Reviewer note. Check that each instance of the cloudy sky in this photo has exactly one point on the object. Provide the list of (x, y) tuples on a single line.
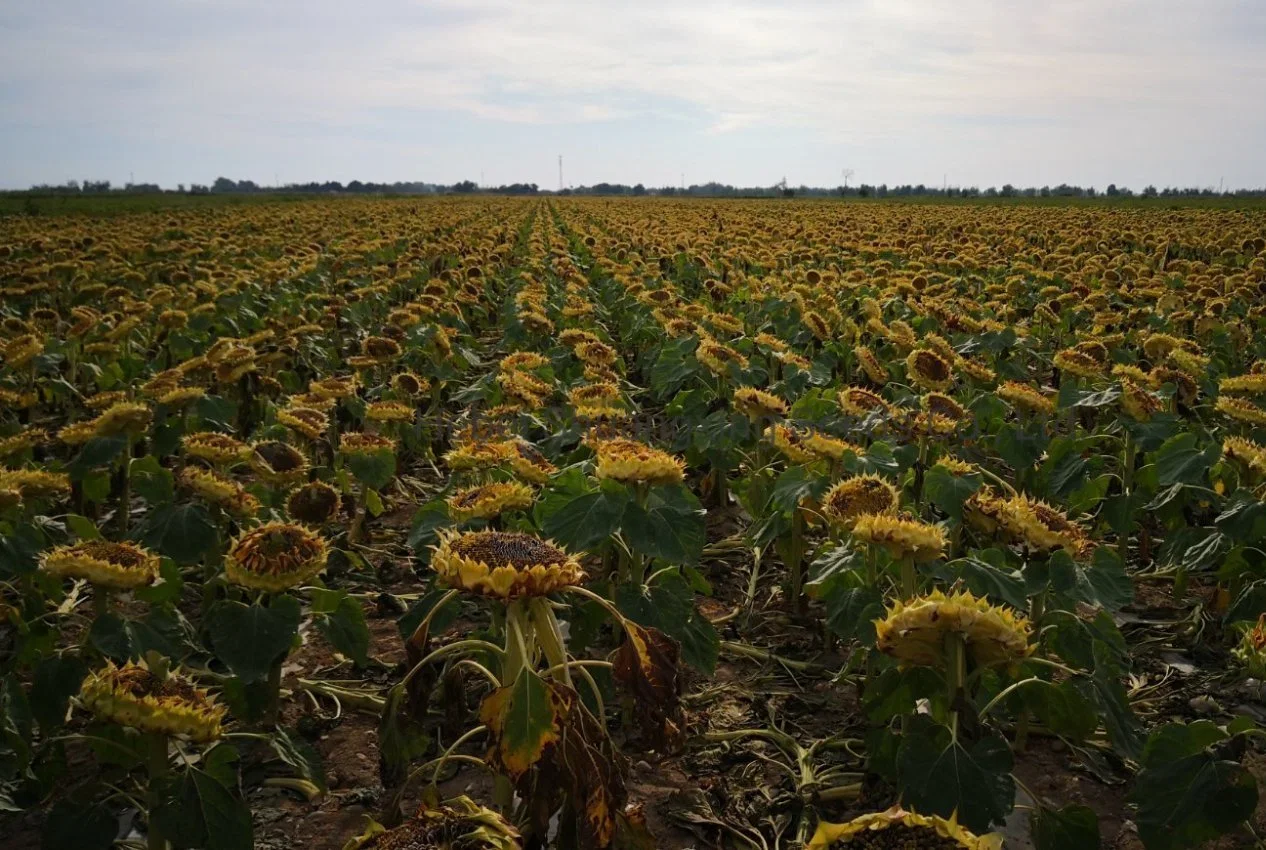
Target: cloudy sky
[(978, 92)]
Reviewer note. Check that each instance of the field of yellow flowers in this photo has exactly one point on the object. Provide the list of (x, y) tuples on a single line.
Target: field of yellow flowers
[(644, 523)]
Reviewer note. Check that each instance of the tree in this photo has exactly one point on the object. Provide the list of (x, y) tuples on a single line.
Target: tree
[(1111, 191)]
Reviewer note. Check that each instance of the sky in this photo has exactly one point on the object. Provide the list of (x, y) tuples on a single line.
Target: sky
[(968, 92)]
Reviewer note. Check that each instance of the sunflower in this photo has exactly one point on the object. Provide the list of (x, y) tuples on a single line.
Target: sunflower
[(334, 388), (1078, 364), (315, 503), (489, 500), (123, 418), (602, 393), (758, 403), (1137, 402), (275, 556), (389, 411), (1026, 399), (22, 441), (859, 496), (929, 369), (955, 466), (718, 357), (21, 350), (135, 697), (216, 449), (219, 490), (939, 404), (1038, 526), (119, 566), (181, 396), (870, 365), (897, 829), (523, 360), (1252, 649), (1247, 452), (861, 403), (903, 538), (632, 462), (457, 824), (504, 564), (35, 483), (914, 631), (1241, 409), (790, 442), (277, 463), (410, 384), (307, 421), (526, 461), (78, 433), (10, 498), (363, 443), (1250, 384), (473, 452)]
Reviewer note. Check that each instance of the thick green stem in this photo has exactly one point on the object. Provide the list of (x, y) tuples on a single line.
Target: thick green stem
[(273, 709), (637, 563), (125, 498), (100, 600), (1127, 484), (955, 675), (796, 566), (157, 766), (909, 579)]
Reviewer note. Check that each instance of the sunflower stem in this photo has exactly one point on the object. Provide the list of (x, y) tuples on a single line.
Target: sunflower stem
[(1127, 484), (909, 580), (955, 675), (796, 566), (125, 498), (273, 709), (157, 767)]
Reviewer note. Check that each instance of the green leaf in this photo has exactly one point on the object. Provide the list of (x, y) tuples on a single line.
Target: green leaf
[(1186, 793), (200, 811), (76, 826), (1248, 605), (96, 486), (793, 485), (1178, 460), (429, 519), (668, 605), (948, 491), (56, 679), (374, 469), (1063, 708), (97, 452), (525, 717), (401, 737), (1070, 828), (373, 502), (122, 639), (152, 482), (167, 590), (895, 692), (184, 533), (82, 527), (587, 520), (999, 583), (249, 639), (341, 619), (939, 775), (851, 611), (300, 755)]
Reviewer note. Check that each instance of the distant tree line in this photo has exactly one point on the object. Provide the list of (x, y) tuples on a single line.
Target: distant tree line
[(225, 185)]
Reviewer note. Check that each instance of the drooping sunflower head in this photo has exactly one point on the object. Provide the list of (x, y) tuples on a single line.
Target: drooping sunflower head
[(457, 824), (489, 500), (526, 461), (929, 369), (389, 411), (1246, 452), (364, 443), (334, 388), (871, 365), (902, 538), (216, 449), (275, 556), (504, 564), (914, 631), (897, 829), (277, 463), (35, 483), (471, 452), (407, 383), (1040, 527), (380, 348), (314, 503), (219, 490), (308, 421), (632, 462), (758, 404), (1240, 409), (21, 350), (134, 696), (718, 357), (939, 404), (1026, 399), (523, 360), (120, 566), (1138, 402), (22, 441), (1251, 651), (861, 402), (855, 497), (123, 418), (1079, 364), (790, 442)]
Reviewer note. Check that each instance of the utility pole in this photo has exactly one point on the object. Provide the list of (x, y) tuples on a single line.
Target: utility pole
[(560, 172)]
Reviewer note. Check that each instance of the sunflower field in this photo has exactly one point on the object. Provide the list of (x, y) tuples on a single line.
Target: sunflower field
[(512, 523)]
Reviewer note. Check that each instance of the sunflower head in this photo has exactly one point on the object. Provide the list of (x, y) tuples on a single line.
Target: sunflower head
[(929, 369), (1138, 402), (307, 421), (21, 441), (1079, 364), (790, 442), (275, 556), (123, 418), (1252, 649), (861, 402), (871, 366), (407, 383), (902, 538), (389, 411), (632, 462), (334, 388), (219, 490), (855, 497), (35, 483), (277, 463), (1026, 399), (120, 566), (504, 564), (1038, 526), (489, 500), (897, 829), (1240, 409), (526, 461), (134, 696), (718, 357), (216, 449), (914, 631), (757, 404), (1252, 455), (314, 503), (457, 824)]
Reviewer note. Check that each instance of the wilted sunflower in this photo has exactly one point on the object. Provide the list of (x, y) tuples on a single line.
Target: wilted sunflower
[(123, 418), (475, 451), (1078, 364), (216, 449), (902, 538), (632, 462), (118, 566), (939, 404), (278, 464), (861, 403), (897, 829), (334, 388), (1250, 384), (489, 500), (914, 631), (526, 461), (603, 393), (1026, 399), (1039, 526), (21, 350), (410, 384), (523, 360), (504, 564), (1247, 452), (275, 556), (870, 365), (1251, 651), (389, 411), (181, 396), (22, 441), (307, 421), (220, 490), (718, 357), (928, 369), (757, 404), (35, 483), (135, 697), (457, 824), (790, 442), (1137, 402), (315, 503), (859, 496), (1241, 409)]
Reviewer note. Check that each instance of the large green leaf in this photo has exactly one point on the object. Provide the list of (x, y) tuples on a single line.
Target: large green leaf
[(199, 810), (522, 720), (939, 775), (1186, 792), (99, 451), (375, 469), (668, 605), (948, 491), (184, 533), (341, 619), (851, 611), (987, 574), (76, 826), (1070, 828), (1179, 460), (588, 520), (55, 681), (152, 482), (249, 639)]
